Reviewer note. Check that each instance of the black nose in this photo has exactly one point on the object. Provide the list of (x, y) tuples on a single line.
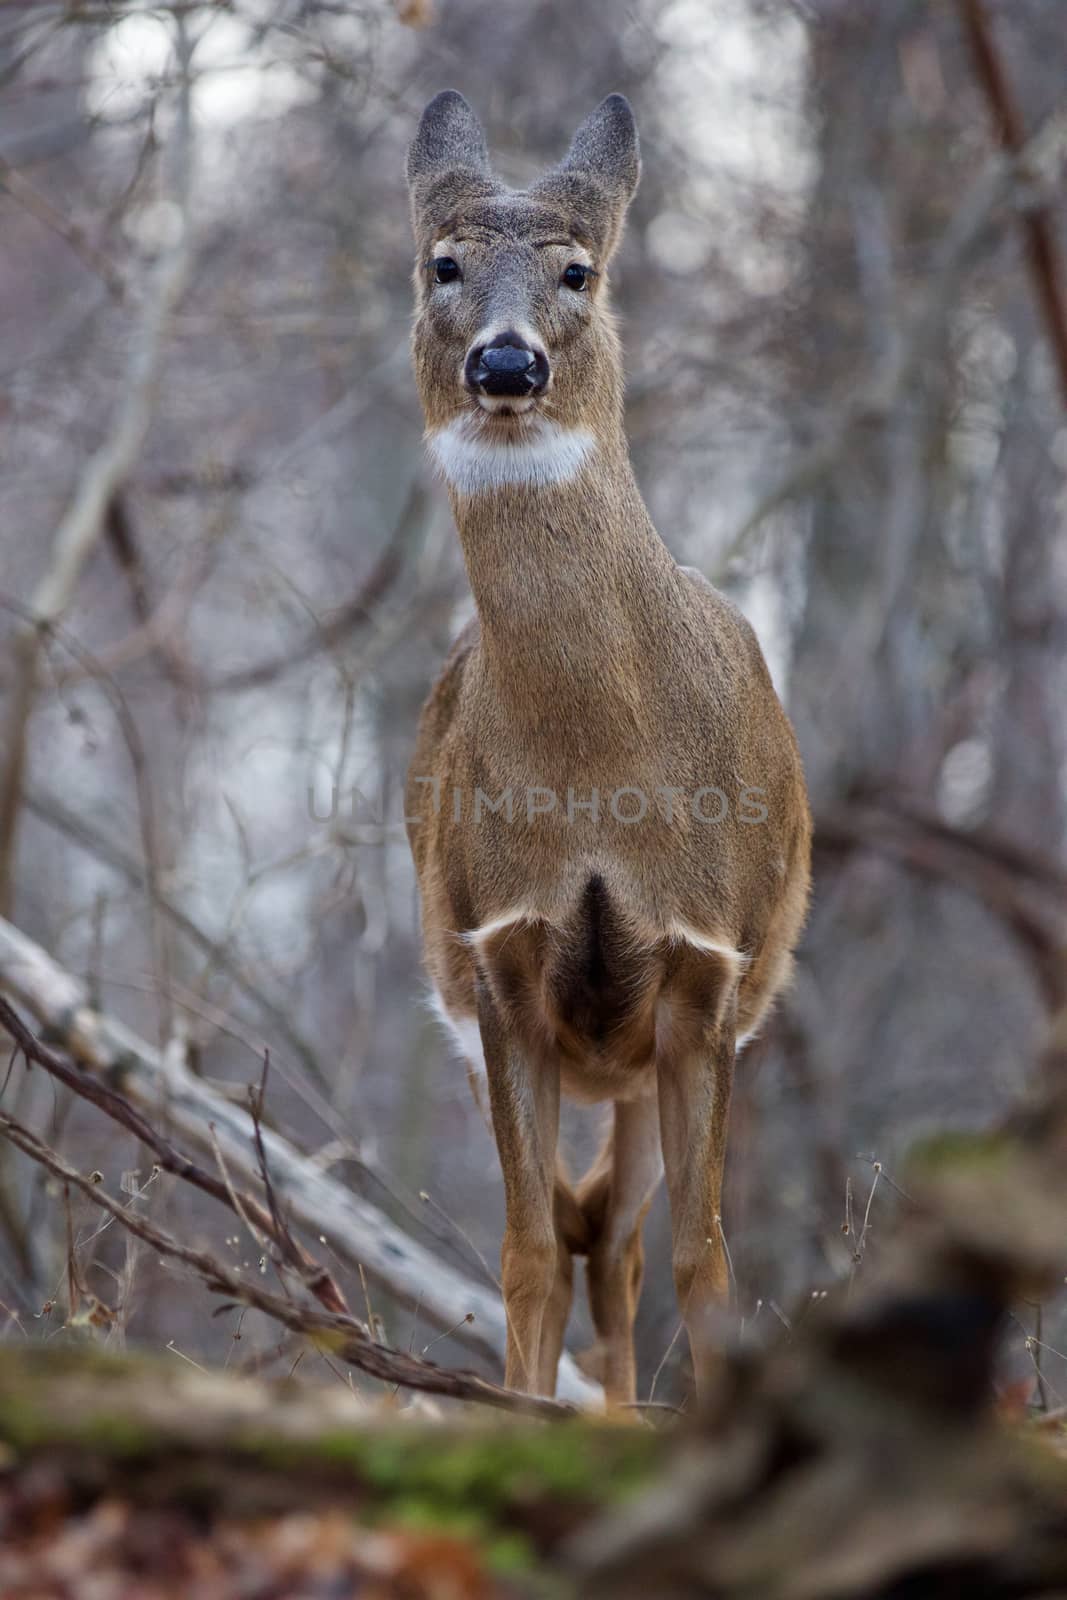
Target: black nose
[(507, 365)]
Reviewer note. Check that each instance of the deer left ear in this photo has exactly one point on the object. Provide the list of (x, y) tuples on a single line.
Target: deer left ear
[(600, 171), (448, 158)]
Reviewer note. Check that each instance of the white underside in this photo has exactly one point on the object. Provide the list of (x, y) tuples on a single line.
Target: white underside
[(682, 933), (473, 461), (464, 1033)]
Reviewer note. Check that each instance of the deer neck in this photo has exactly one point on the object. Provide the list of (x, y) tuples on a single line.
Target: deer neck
[(573, 585)]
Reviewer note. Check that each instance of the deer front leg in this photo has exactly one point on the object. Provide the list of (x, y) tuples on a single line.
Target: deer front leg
[(524, 1098), (694, 1084)]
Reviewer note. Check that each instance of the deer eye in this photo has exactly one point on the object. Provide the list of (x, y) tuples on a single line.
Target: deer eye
[(445, 270), (576, 276)]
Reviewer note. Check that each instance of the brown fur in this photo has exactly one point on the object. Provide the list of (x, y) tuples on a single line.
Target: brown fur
[(595, 661)]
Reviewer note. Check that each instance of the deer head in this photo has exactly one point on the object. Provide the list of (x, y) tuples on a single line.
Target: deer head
[(514, 340)]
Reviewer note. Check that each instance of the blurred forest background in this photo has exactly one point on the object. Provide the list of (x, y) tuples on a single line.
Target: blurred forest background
[(846, 407)]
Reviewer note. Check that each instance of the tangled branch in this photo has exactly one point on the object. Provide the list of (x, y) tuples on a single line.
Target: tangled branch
[(341, 1334)]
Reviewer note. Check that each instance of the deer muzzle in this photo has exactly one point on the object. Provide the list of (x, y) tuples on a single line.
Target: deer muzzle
[(506, 366)]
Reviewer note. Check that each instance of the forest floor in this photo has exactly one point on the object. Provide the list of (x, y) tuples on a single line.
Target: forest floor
[(865, 1467)]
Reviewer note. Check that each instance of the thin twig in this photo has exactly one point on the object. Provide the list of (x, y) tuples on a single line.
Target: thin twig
[(39, 206), (343, 1336), (102, 477), (1025, 175), (357, 1230), (1046, 268), (313, 1274)]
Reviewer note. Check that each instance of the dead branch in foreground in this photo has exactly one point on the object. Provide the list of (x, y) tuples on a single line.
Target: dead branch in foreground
[(314, 1276), (359, 1233), (341, 1335)]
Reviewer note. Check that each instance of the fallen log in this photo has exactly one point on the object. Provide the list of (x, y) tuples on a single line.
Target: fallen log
[(116, 1456), (359, 1232)]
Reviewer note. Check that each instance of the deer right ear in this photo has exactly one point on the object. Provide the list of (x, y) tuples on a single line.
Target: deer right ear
[(450, 144)]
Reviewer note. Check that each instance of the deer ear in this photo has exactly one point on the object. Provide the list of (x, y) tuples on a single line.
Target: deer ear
[(449, 144), (606, 147), (599, 173)]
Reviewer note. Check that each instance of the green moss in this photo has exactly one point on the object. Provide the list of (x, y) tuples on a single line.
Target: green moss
[(87, 1399), (511, 1554), (499, 1466), (25, 1426), (950, 1152), (430, 1516)]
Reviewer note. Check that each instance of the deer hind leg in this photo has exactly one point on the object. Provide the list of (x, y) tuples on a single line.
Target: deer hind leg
[(615, 1197), (694, 1077), (524, 1099), (572, 1239)]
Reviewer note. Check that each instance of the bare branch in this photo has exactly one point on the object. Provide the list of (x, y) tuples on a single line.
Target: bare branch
[(1023, 177), (1027, 893), (357, 1231), (42, 208), (343, 1335), (129, 868), (1046, 268), (351, 617), (314, 1275), (102, 477)]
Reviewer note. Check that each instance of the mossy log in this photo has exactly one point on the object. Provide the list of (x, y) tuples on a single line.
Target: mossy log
[(215, 1445)]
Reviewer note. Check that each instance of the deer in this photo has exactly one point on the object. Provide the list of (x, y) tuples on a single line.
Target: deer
[(606, 805)]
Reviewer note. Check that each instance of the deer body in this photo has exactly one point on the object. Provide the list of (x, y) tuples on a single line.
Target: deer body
[(607, 905)]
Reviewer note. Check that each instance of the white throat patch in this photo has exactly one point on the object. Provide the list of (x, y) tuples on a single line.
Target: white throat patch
[(473, 462)]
